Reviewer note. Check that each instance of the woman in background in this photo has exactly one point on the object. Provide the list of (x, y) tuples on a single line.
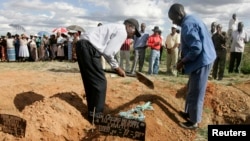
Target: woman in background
[(24, 51), (10, 48)]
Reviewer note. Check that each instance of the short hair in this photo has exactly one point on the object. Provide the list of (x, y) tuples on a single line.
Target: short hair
[(99, 24), (177, 9)]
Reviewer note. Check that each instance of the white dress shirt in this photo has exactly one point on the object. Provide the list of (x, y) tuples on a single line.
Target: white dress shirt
[(107, 39), (238, 41), (233, 24)]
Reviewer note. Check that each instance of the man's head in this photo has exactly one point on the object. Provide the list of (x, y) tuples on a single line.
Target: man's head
[(234, 16), (176, 13), (143, 27), (213, 27), (240, 26), (219, 28), (99, 24), (132, 27), (156, 30), (174, 28)]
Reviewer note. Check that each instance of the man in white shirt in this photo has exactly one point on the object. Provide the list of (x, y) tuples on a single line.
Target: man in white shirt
[(232, 26), (239, 38), (233, 23), (105, 40)]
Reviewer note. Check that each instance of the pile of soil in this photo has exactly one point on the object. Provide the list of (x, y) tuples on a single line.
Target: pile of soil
[(53, 104)]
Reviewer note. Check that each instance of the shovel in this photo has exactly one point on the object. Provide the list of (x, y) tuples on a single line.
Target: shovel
[(140, 76)]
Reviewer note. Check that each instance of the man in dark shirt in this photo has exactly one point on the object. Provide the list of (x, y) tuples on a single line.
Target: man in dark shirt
[(219, 40)]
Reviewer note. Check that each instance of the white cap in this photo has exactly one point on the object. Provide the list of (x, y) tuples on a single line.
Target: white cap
[(174, 26)]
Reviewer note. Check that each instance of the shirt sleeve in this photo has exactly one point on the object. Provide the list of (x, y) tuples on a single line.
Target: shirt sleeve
[(192, 42), (113, 48)]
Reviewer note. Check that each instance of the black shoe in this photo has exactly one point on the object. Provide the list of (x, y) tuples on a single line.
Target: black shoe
[(184, 115), (189, 125)]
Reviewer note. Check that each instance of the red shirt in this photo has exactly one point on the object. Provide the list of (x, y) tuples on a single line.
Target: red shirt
[(154, 41), (126, 44)]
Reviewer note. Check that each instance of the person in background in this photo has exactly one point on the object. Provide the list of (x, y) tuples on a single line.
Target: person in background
[(198, 56), (99, 24), (39, 49), (23, 50), (70, 43), (162, 47), (172, 45), (140, 45), (219, 40), (53, 46), (125, 54), (213, 28), (33, 49), (65, 45), (17, 46), (154, 42), (3, 44), (60, 46), (75, 40), (232, 25), (104, 40), (44, 48), (238, 38), (11, 53)]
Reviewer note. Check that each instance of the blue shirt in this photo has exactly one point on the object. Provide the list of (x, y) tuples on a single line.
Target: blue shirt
[(141, 41), (196, 44)]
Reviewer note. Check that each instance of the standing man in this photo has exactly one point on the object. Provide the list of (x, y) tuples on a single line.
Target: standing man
[(219, 40), (232, 25), (213, 28), (172, 45), (198, 55), (239, 38), (155, 43), (125, 54), (140, 45), (104, 40)]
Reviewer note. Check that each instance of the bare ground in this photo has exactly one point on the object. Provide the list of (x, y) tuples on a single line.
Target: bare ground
[(50, 97)]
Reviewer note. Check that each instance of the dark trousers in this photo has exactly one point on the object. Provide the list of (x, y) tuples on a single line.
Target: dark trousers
[(219, 64), (93, 76), (139, 57), (235, 57)]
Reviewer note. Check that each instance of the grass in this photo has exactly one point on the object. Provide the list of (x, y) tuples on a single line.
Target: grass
[(202, 134)]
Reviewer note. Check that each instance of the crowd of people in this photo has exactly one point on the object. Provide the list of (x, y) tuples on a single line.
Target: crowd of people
[(22, 48), (61, 46), (232, 41)]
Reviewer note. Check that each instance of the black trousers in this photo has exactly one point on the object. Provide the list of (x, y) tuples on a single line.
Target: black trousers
[(93, 76), (235, 57)]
